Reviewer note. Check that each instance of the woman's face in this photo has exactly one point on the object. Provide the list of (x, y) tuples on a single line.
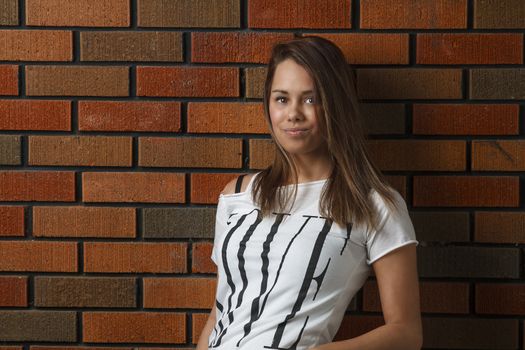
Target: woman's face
[(294, 111)]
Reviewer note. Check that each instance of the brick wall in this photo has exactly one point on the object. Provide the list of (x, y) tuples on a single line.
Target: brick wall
[(121, 121)]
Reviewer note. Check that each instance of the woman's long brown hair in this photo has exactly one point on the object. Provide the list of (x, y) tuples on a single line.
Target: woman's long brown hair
[(346, 195)]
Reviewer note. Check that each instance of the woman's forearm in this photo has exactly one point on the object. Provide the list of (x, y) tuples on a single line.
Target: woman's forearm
[(205, 334), (387, 337)]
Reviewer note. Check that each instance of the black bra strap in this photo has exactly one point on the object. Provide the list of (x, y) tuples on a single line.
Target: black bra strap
[(238, 183)]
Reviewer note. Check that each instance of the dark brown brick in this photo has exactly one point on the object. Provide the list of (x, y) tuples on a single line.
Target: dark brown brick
[(383, 118), (14, 291), (84, 292), (33, 325), (80, 150), (131, 257), (465, 119), (35, 115), (500, 155), (134, 327), (38, 256), (201, 258), (436, 297), (190, 152), (469, 48), (466, 191), (134, 187), (188, 81), (77, 81), (356, 325), (9, 78), (409, 14), (131, 46), (10, 152), (469, 333), (195, 293), (441, 226), (261, 153), (9, 13), (180, 13), (226, 117), (370, 48), (499, 227), (469, 262), (57, 186), (299, 14), (80, 221), (255, 77), (12, 221), (497, 83), (500, 299), (409, 83), (420, 155), (499, 14), (221, 47), (399, 183), (178, 222), (129, 116), (80, 13), (36, 45), (205, 188)]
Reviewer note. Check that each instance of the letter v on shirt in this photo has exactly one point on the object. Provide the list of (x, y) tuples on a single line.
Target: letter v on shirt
[(285, 281)]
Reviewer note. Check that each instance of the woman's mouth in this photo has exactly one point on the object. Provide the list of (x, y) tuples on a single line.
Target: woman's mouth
[(295, 132)]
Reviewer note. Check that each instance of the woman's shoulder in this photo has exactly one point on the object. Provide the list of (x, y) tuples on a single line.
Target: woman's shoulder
[(229, 188)]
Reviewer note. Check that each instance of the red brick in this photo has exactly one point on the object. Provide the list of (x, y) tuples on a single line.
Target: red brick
[(36, 45), (188, 81), (500, 155), (189, 14), (80, 150), (58, 186), (370, 48), (14, 291), (262, 152), (74, 347), (198, 322), (471, 48), (9, 78), (190, 152), (129, 116), (500, 299), (436, 297), (38, 256), (500, 14), (131, 46), (79, 13), (77, 81), (205, 188), (421, 155), (466, 119), (226, 117), (131, 257), (60, 221), (12, 221), (194, 293), (499, 227), (409, 83), (146, 187), (35, 115), (299, 14), (133, 327), (201, 258), (221, 47), (466, 191), (410, 14)]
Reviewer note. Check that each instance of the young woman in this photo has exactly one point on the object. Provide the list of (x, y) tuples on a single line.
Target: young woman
[(295, 241)]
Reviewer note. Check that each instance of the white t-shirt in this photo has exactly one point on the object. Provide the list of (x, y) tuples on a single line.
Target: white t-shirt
[(285, 281)]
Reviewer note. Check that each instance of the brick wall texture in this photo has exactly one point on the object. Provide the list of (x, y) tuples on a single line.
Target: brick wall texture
[(122, 120)]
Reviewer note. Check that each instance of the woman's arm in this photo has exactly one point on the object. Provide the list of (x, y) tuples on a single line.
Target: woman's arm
[(206, 331), (397, 280)]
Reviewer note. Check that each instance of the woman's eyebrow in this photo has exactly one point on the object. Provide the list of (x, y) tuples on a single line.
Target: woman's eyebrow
[(285, 92)]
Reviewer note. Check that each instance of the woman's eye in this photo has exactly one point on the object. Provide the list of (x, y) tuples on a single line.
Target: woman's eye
[(310, 98), (279, 98)]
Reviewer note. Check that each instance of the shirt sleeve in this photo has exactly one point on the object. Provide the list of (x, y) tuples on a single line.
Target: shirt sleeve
[(395, 229), (220, 227)]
